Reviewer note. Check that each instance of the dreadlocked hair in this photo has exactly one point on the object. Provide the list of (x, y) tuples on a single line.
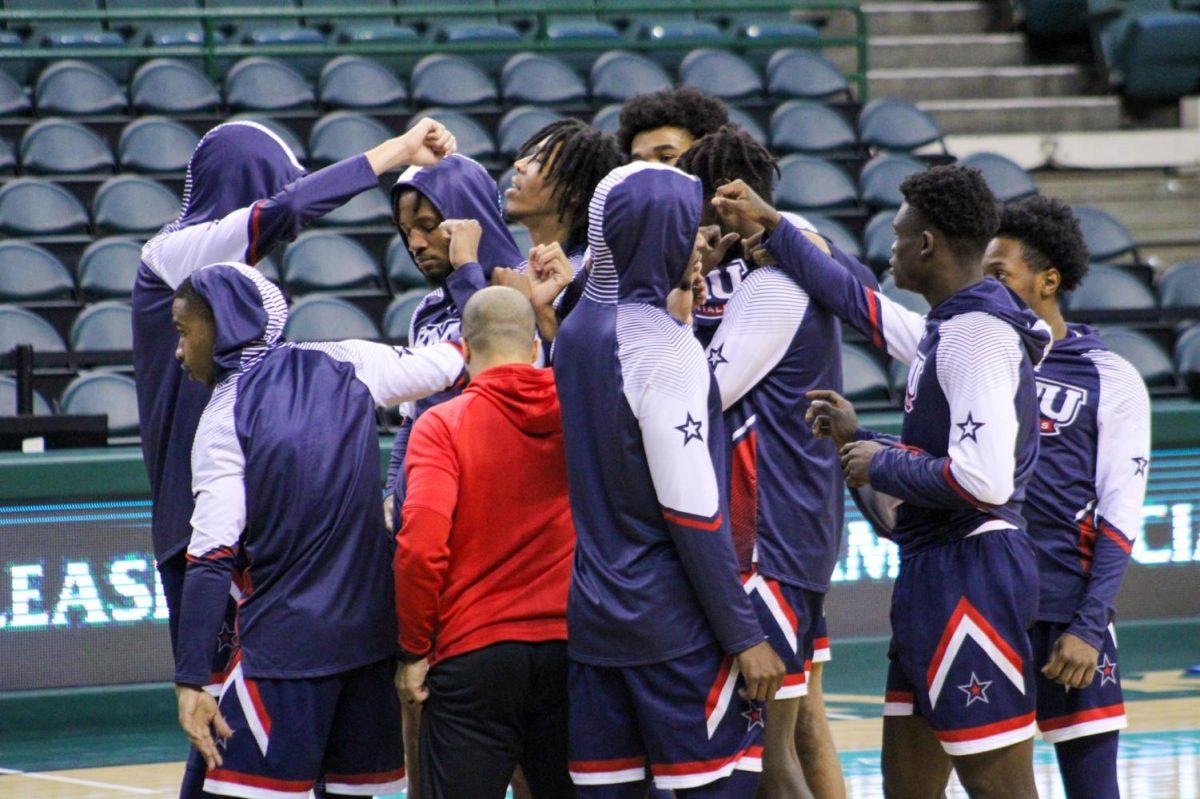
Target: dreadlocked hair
[(727, 154), (575, 157)]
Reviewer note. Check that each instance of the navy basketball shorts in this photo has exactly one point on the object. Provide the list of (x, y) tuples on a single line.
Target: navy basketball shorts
[(680, 721), (960, 655), (790, 616), (1066, 714), (341, 732), (821, 651)]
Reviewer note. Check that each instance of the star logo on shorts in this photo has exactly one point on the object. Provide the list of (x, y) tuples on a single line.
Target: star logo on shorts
[(753, 715), (1107, 671), (976, 690), (1140, 465), (716, 357), (968, 428), (227, 638), (690, 429)]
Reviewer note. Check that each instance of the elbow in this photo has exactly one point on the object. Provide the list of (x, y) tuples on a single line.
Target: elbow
[(984, 488)]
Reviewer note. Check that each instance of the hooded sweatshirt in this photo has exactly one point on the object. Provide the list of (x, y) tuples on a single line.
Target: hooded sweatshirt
[(484, 554), (1084, 502), (459, 188), (655, 576), (772, 345), (285, 471), (244, 194), (969, 439)]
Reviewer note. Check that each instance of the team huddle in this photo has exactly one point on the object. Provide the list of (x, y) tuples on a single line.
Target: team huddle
[(615, 501)]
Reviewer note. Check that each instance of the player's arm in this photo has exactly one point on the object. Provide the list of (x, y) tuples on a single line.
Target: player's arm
[(422, 545), (395, 375), (395, 470), (756, 330), (888, 325), (218, 485), (467, 277), (978, 368), (1122, 466), (673, 416)]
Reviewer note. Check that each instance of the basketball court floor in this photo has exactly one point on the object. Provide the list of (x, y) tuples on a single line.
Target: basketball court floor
[(139, 753)]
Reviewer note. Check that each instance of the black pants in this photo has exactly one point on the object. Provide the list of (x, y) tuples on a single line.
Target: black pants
[(488, 712)]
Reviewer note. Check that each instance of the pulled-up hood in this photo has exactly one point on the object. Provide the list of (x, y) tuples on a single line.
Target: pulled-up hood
[(248, 310)]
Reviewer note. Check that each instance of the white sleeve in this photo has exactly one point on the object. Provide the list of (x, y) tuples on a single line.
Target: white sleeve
[(902, 329), (396, 375), (218, 476), (978, 368), (1123, 443), (175, 255), (759, 324)]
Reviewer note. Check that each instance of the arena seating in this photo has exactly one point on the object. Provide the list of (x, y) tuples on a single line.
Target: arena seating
[(93, 153)]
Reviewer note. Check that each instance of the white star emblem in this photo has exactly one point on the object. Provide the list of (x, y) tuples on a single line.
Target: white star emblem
[(1107, 670), (690, 429), (976, 690), (753, 715)]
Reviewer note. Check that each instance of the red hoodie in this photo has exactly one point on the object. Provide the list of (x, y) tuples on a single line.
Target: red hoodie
[(484, 553)]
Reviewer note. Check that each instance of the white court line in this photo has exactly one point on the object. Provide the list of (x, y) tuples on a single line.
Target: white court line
[(74, 781)]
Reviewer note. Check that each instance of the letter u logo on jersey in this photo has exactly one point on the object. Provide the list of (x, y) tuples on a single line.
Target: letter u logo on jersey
[(1058, 405), (915, 370)]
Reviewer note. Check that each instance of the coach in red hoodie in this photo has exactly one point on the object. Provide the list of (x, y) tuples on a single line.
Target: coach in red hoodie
[(483, 563)]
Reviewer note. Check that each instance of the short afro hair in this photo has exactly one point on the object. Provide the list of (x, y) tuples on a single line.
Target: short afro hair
[(957, 201), (686, 107), (729, 154), (1050, 236)]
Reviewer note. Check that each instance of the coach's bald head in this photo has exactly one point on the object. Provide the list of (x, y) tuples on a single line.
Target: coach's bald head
[(498, 327)]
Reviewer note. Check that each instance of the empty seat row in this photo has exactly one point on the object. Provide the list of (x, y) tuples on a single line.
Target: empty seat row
[(123, 204), (102, 326), (99, 392)]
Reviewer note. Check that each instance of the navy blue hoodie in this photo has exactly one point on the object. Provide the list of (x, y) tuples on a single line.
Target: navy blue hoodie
[(285, 471)]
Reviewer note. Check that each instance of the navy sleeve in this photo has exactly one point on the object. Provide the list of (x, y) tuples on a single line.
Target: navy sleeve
[(463, 282), (205, 596), (395, 475)]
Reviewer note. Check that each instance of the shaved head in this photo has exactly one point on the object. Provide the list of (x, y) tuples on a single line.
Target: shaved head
[(498, 323)]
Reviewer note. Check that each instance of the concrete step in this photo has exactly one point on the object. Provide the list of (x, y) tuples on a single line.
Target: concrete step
[(1123, 185), (961, 83), (914, 19), (929, 52), (1026, 114)]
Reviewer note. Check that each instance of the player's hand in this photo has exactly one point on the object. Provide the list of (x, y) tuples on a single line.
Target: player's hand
[(424, 144), (389, 513), (550, 271), (410, 681), (1072, 662), (831, 416), (856, 462), (503, 276), (759, 255), (737, 203), (464, 240), (762, 670), (201, 719), (714, 246)]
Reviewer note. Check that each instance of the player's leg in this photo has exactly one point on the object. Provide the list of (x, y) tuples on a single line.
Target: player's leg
[(785, 616), (411, 722), (607, 758), (544, 756), (913, 763), (814, 740), (697, 729), (1005, 773), (364, 752), (1081, 723), (473, 723)]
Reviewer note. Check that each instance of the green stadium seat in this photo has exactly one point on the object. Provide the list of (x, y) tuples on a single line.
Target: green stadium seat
[(14, 101), (322, 318), (369, 208), (268, 33), (108, 268), (722, 74), (864, 379), (133, 204), (451, 80), (1161, 57), (1187, 359), (103, 326), (1007, 180), (608, 118), (8, 399), (37, 207), (61, 147), (107, 394), (804, 74), (807, 183), (266, 84), (807, 126), (618, 75), (519, 124), (167, 86), (161, 32), (473, 139), (156, 144), (741, 118), (879, 238), (1179, 290), (353, 82), (8, 159), (895, 124), (29, 273), (880, 179), (77, 88), (342, 134), (837, 233), (1109, 293), (398, 318), (540, 80), (77, 33), (20, 326), (1146, 355), (1106, 238), (319, 261)]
